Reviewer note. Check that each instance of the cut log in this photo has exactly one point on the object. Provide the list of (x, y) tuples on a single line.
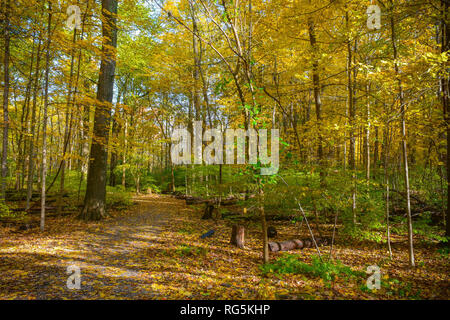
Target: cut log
[(228, 202), (299, 243), (194, 200), (238, 236), (295, 244), (274, 246), (215, 201)]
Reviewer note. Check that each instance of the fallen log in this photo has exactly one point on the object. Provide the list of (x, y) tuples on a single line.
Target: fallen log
[(194, 200), (275, 246), (255, 217), (215, 201), (228, 202)]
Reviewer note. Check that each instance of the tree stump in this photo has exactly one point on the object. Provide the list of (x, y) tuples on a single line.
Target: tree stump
[(238, 236), (209, 209), (271, 232)]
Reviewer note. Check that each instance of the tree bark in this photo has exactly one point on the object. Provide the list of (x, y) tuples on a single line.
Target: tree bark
[(6, 36), (67, 126), (445, 91), (238, 236), (95, 198), (352, 114), (31, 150), (404, 147), (317, 98), (44, 125)]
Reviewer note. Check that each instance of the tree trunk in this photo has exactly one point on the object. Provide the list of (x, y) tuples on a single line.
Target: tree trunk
[(44, 125), (404, 148), (265, 237), (4, 168), (67, 127), (445, 91), (367, 137), (352, 113), (95, 198), (386, 180), (238, 236), (317, 98), (31, 150), (124, 155), (115, 132)]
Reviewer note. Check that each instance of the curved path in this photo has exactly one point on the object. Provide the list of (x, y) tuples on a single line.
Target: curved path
[(111, 256)]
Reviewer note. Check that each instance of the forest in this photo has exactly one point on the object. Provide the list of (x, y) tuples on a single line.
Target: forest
[(121, 120)]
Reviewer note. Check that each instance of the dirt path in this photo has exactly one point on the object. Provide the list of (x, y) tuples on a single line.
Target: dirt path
[(112, 256), (154, 250)]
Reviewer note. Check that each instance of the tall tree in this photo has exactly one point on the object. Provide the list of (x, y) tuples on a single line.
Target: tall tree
[(6, 35), (445, 91), (95, 198), (403, 137), (44, 126)]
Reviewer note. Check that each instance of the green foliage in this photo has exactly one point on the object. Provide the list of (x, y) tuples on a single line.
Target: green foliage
[(186, 250), (186, 231), (444, 252), (118, 197), (397, 288), (7, 213), (4, 209), (423, 226), (326, 270)]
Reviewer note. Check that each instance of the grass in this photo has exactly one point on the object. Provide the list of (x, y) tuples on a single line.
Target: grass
[(328, 271)]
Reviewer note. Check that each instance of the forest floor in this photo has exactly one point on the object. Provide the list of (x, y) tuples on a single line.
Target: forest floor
[(153, 250)]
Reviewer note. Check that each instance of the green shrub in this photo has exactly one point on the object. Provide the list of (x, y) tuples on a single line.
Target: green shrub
[(117, 197), (186, 250), (444, 252), (4, 209), (6, 213), (328, 271)]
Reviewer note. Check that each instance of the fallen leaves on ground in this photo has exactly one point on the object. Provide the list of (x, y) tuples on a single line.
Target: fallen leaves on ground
[(153, 250)]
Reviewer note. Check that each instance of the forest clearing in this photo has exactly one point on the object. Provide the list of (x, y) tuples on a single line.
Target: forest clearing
[(225, 150)]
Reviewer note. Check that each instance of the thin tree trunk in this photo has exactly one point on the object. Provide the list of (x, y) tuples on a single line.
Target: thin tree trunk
[(352, 112), (317, 98), (5, 100), (367, 137), (263, 223), (31, 150), (386, 179), (66, 126), (44, 125), (124, 155), (26, 109), (404, 148)]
